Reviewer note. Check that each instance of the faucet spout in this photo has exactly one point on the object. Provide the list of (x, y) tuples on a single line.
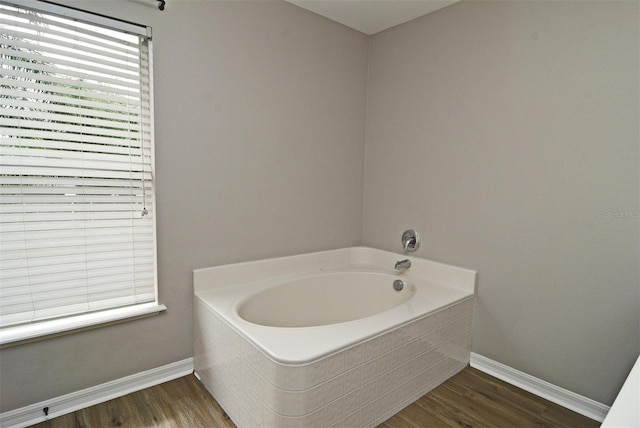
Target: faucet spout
[(403, 264)]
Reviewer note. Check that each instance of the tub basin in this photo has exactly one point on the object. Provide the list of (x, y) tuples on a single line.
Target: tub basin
[(325, 299)]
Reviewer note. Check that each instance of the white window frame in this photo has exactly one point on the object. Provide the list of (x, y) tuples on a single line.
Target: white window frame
[(28, 331)]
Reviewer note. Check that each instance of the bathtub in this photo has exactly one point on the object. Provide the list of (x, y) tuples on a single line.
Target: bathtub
[(325, 340)]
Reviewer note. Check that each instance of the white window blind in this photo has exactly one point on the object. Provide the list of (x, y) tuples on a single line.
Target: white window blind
[(77, 228)]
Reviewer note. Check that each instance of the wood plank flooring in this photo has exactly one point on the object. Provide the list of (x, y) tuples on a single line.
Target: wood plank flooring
[(469, 399), (474, 399)]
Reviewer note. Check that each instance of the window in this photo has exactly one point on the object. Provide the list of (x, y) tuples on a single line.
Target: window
[(77, 227)]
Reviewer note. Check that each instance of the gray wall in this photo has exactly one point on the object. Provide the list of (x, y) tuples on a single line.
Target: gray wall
[(260, 115), (506, 133)]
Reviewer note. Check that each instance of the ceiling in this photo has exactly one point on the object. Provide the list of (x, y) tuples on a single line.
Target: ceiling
[(372, 16)]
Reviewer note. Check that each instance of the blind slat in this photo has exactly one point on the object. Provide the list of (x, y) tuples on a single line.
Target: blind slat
[(111, 52), (56, 135), (38, 48), (78, 69), (33, 202), (40, 121), (53, 19), (90, 184), (41, 93), (20, 250), (75, 124), (73, 157), (63, 227), (30, 77), (71, 250), (51, 238), (33, 104)]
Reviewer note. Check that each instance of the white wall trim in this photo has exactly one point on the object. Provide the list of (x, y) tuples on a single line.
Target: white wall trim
[(563, 397), (33, 414)]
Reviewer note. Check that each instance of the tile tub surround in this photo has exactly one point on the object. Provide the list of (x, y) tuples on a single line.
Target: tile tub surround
[(360, 386)]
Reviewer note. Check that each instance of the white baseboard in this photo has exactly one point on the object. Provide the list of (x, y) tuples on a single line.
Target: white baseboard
[(565, 398), (68, 403)]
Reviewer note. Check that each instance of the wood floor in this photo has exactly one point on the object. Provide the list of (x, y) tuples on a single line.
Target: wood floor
[(469, 399)]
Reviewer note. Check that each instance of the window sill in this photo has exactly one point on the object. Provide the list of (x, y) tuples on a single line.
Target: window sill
[(10, 336)]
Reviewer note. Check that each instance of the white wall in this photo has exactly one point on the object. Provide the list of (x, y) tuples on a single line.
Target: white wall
[(260, 113), (506, 133)]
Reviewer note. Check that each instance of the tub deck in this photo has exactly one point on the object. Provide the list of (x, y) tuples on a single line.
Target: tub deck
[(312, 343)]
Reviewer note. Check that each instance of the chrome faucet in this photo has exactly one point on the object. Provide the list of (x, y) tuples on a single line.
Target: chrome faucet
[(403, 264)]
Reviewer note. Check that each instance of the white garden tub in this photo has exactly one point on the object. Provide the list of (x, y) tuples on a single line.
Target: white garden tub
[(322, 339)]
